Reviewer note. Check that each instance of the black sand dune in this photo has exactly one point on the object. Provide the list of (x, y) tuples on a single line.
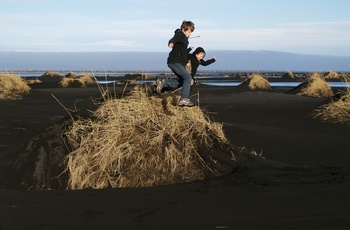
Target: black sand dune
[(303, 183)]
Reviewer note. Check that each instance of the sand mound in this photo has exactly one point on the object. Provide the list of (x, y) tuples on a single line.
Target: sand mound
[(76, 81), (255, 82), (133, 141), (316, 87), (141, 141), (40, 164), (12, 87), (337, 111)]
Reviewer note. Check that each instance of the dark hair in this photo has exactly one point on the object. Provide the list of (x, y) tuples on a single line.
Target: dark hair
[(199, 50), (187, 25)]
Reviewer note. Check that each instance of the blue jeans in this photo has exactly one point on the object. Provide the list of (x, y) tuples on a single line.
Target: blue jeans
[(184, 78), (171, 83)]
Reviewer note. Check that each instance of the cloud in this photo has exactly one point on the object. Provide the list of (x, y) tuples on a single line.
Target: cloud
[(324, 23), (144, 31), (288, 38)]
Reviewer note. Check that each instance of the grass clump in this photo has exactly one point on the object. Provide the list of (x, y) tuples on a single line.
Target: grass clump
[(316, 87), (32, 81), (336, 111), (83, 80), (289, 75), (257, 81), (66, 81), (52, 74), (12, 87), (142, 141), (332, 75)]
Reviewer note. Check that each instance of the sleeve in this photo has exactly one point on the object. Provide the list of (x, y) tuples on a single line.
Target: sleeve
[(175, 38), (207, 62), (172, 40)]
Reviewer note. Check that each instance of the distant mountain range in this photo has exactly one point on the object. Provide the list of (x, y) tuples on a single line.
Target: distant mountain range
[(226, 60)]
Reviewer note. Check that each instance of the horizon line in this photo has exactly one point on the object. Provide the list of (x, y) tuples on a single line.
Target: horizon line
[(211, 50), (161, 71)]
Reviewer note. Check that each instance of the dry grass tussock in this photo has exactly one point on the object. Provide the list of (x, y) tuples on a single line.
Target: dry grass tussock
[(142, 141), (336, 111), (332, 75), (316, 87), (84, 80), (51, 74), (32, 81), (12, 87), (289, 75), (258, 82)]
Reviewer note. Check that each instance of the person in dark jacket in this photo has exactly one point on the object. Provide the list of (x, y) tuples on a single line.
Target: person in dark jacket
[(196, 59), (178, 59)]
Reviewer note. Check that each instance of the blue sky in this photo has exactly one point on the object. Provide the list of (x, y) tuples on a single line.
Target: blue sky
[(297, 26)]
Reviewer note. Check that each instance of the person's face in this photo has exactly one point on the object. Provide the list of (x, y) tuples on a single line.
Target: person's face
[(187, 33), (200, 56)]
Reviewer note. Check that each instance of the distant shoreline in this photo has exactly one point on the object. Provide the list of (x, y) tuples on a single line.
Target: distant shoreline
[(160, 71)]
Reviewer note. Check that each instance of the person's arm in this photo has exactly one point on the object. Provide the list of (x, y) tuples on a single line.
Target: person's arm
[(171, 42), (189, 49), (208, 62), (174, 39)]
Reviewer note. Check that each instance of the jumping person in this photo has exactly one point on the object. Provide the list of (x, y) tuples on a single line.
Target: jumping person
[(194, 60), (178, 59)]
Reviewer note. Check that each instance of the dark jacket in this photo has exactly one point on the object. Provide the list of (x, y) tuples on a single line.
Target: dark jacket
[(195, 63), (179, 52)]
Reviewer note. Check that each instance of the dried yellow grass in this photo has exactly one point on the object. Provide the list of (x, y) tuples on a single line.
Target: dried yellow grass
[(316, 87), (257, 81), (84, 80), (51, 74), (32, 81), (12, 87), (66, 81), (141, 141), (289, 74), (336, 111), (332, 75)]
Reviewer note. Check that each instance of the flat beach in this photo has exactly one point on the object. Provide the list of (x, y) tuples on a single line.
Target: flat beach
[(302, 183)]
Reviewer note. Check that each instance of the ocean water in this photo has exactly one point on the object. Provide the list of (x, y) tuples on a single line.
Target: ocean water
[(274, 84)]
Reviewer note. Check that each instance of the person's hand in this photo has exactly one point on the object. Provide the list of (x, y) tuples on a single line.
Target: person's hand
[(171, 45), (192, 47), (214, 57)]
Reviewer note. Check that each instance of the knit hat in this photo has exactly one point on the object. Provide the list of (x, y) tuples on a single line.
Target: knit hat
[(199, 50)]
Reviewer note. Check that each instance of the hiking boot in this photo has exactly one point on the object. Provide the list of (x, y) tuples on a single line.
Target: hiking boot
[(186, 102), (160, 84)]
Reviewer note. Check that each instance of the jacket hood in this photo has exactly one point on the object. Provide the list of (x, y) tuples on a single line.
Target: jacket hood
[(199, 50)]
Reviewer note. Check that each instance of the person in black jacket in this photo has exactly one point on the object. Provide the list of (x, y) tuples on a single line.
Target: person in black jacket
[(196, 59), (178, 59)]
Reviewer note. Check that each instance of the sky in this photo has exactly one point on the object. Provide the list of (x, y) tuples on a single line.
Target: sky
[(320, 27)]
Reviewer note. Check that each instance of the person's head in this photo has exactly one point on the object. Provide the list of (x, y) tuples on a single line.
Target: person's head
[(199, 53), (187, 27)]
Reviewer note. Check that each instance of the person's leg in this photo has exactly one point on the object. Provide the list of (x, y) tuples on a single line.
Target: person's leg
[(171, 83), (180, 80), (184, 77), (167, 83)]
